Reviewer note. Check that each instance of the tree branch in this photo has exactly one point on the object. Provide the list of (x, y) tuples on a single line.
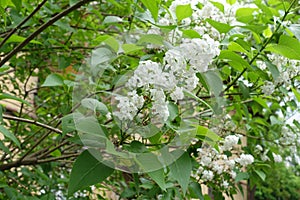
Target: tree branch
[(9, 117), (41, 29), (34, 161), (22, 23)]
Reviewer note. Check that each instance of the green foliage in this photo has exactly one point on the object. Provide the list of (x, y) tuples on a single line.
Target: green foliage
[(87, 170), (40, 151), (280, 183)]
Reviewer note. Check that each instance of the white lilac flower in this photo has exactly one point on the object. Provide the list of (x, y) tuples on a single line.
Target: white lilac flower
[(245, 159), (230, 163), (205, 161), (161, 110), (261, 65), (200, 52), (217, 168), (229, 142), (268, 88), (277, 158), (232, 174), (207, 175), (259, 148), (175, 59), (225, 184), (177, 94)]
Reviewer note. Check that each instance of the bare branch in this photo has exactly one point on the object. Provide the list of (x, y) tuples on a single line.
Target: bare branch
[(9, 117)]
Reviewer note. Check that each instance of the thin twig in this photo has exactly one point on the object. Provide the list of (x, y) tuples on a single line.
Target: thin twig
[(22, 23), (41, 29), (9, 117)]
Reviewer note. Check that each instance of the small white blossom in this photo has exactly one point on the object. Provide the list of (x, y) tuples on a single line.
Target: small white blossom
[(225, 184), (207, 175), (229, 142), (277, 158), (177, 94), (268, 88), (245, 159)]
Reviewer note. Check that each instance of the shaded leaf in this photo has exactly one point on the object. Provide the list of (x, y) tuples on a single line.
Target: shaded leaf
[(261, 174), (241, 176), (87, 170), (159, 178), (129, 48), (152, 39), (94, 105), (181, 171), (8, 96), (9, 135)]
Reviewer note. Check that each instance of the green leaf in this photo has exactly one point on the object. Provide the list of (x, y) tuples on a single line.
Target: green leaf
[(191, 33), (53, 80), (1, 114), (152, 39), (101, 55), (159, 178), (196, 190), (287, 46), (148, 162), (5, 3), (130, 48), (64, 62), (4, 68), (18, 4), (244, 89), (8, 96), (231, 2), (94, 104), (297, 94), (245, 15), (136, 147), (241, 176), (109, 40), (112, 19), (261, 174), (221, 27), (192, 95), (183, 11), (261, 102), (19, 39), (295, 29), (9, 135), (181, 171), (235, 60), (87, 170), (267, 32), (233, 46), (214, 82), (207, 135), (152, 6), (67, 123), (219, 5), (4, 148), (274, 70)]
